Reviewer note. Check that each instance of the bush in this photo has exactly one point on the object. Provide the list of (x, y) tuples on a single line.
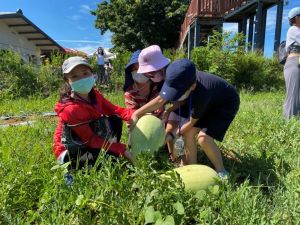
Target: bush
[(223, 57), (118, 72), (16, 77), (174, 54), (20, 79)]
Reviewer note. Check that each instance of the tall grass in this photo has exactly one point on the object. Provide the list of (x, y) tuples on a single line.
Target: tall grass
[(263, 187)]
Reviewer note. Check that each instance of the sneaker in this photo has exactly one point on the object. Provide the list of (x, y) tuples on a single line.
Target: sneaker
[(223, 174), (68, 179)]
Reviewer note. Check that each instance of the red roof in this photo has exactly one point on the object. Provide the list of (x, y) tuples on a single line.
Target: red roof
[(74, 52)]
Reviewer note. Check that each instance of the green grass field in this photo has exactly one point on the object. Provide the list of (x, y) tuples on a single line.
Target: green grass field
[(263, 188)]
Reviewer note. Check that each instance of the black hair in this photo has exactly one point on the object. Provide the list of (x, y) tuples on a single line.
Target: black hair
[(65, 91), (100, 51), (292, 21)]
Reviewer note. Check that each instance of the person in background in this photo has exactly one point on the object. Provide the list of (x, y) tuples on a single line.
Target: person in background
[(139, 89), (210, 106), (292, 66), (101, 65), (87, 122)]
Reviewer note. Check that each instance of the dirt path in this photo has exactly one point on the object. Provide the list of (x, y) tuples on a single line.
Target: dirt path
[(24, 119)]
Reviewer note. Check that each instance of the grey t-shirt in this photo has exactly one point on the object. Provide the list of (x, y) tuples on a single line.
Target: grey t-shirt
[(293, 35)]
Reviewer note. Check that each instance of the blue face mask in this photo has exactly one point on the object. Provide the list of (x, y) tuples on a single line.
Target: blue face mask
[(84, 85)]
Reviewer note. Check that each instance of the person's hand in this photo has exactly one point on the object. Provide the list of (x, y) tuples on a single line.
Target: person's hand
[(129, 156), (165, 116), (133, 121), (129, 140)]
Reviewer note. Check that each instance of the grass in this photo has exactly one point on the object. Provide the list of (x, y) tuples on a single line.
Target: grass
[(264, 186), (37, 105)]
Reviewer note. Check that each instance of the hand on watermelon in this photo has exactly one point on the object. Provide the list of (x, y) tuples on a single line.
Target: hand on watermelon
[(129, 156), (133, 121)]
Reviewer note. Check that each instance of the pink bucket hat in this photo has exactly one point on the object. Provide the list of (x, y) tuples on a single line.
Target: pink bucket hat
[(151, 59)]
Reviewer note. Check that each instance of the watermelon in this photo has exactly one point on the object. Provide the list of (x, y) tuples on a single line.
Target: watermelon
[(148, 135), (197, 177)]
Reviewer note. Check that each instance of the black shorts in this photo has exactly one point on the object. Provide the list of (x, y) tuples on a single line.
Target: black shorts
[(215, 122)]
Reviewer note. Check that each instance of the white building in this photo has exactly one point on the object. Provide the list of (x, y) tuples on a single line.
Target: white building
[(19, 34)]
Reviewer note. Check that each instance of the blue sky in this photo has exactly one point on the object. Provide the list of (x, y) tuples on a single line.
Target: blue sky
[(70, 23)]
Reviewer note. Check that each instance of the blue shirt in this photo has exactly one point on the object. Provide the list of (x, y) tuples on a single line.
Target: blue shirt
[(100, 59)]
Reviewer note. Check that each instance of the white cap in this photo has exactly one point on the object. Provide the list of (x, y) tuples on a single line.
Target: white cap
[(70, 63), (294, 12)]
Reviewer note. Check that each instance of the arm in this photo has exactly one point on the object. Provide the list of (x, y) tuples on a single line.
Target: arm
[(110, 109), (91, 140), (130, 102), (150, 106), (174, 106), (170, 107), (76, 115)]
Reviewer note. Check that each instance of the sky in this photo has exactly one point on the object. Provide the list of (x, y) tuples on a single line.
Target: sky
[(70, 23)]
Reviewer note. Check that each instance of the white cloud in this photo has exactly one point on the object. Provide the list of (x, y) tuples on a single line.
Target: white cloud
[(88, 46), (85, 9), (75, 17), (88, 49)]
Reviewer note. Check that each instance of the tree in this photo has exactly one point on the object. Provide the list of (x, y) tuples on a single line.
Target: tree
[(140, 23)]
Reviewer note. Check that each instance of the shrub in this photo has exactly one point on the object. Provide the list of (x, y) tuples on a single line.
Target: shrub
[(20, 79), (223, 57), (174, 54), (118, 72), (16, 77)]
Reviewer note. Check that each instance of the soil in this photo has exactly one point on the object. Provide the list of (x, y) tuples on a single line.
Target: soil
[(21, 119)]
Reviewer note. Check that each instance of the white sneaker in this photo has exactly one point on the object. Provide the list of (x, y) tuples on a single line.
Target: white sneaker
[(223, 174)]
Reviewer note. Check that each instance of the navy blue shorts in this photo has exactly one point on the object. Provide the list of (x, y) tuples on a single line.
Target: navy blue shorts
[(216, 122)]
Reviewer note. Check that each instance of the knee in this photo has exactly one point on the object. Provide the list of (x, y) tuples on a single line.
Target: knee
[(189, 136), (203, 139)]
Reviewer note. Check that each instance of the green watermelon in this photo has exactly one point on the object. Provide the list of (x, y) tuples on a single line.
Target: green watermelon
[(197, 177), (148, 135)]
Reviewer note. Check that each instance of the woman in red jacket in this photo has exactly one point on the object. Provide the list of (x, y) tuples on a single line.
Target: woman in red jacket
[(87, 122)]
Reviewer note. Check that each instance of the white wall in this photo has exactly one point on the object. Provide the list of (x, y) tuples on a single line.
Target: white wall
[(10, 39)]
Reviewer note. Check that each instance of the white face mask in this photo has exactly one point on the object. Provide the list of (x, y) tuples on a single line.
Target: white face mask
[(139, 77), (158, 77)]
